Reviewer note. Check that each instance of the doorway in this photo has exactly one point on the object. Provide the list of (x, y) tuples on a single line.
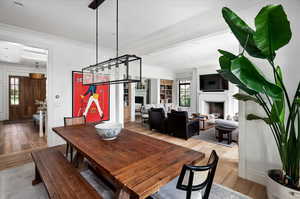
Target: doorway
[(127, 102), (23, 81)]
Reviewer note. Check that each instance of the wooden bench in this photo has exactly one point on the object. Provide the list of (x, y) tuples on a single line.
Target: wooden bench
[(61, 179)]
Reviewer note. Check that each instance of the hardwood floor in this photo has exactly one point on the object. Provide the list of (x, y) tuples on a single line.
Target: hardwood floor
[(227, 171), (17, 141), (15, 152)]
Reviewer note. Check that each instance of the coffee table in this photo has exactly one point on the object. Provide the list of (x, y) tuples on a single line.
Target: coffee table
[(224, 131)]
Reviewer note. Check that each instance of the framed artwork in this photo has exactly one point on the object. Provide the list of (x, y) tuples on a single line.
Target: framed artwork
[(92, 101)]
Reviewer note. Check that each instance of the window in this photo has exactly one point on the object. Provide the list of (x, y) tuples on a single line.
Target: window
[(185, 93), (14, 90)]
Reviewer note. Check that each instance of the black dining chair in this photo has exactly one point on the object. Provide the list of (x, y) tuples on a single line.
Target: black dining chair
[(191, 182), (72, 121)]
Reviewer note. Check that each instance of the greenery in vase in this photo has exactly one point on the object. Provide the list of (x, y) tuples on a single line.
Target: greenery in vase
[(272, 31)]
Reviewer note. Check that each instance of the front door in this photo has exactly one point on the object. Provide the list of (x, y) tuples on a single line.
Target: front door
[(23, 91)]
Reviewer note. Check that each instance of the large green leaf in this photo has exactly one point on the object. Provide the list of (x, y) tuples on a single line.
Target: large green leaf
[(255, 117), (298, 102), (272, 30), (225, 64), (249, 75), (242, 32), (226, 74), (245, 98), (278, 107), (227, 54)]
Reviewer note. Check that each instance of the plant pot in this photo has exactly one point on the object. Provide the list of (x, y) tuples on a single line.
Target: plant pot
[(276, 190)]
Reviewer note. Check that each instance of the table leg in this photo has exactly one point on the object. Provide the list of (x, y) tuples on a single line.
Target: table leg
[(122, 194), (220, 136), (37, 178), (71, 150), (78, 160), (229, 138)]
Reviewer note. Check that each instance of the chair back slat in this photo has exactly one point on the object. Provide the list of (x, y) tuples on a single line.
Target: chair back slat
[(71, 121), (195, 178)]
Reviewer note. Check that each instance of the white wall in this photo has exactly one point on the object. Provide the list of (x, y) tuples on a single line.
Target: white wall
[(6, 70), (154, 91), (258, 152), (64, 57)]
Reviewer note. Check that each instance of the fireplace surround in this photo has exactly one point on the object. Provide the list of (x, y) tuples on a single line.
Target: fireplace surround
[(215, 108), (221, 103)]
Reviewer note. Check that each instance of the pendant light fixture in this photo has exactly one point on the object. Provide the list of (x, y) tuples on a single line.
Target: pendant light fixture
[(121, 69)]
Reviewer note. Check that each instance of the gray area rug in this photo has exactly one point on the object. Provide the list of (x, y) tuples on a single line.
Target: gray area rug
[(15, 183), (210, 136)]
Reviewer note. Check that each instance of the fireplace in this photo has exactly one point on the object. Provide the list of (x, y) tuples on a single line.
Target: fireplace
[(221, 103), (216, 108), (139, 100)]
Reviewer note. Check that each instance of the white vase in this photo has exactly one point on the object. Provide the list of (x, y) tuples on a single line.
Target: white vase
[(278, 191)]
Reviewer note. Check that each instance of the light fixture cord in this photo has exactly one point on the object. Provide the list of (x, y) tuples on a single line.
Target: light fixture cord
[(97, 36), (117, 29)]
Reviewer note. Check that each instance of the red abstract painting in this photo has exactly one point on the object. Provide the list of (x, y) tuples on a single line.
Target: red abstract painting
[(92, 101)]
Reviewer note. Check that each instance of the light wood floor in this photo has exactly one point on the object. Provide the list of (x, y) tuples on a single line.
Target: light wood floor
[(15, 149), (227, 171), (17, 141)]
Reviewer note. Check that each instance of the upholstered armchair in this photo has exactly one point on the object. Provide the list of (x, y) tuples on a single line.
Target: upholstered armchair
[(157, 119), (178, 125)]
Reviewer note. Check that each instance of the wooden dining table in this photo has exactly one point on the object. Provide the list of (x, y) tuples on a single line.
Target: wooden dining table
[(137, 164)]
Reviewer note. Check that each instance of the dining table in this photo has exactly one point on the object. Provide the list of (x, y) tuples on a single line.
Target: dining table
[(138, 165)]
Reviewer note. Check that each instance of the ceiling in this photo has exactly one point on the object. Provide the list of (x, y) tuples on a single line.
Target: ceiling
[(148, 28), (18, 54), (138, 18), (201, 52)]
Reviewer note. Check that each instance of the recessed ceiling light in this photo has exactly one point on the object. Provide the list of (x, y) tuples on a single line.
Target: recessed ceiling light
[(19, 4)]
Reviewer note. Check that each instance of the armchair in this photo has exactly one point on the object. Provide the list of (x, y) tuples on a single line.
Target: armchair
[(157, 119), (178, 125)]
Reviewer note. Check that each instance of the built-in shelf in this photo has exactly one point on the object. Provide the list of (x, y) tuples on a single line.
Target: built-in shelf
[(166, 91)]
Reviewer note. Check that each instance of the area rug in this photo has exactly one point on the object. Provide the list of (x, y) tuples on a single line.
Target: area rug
[(210, 136), (15, 183)]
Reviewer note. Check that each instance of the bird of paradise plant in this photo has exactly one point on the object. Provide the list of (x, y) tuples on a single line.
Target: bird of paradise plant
[(282, 114)]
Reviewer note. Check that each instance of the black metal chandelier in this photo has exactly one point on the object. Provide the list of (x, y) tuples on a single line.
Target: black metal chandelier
[(121, 69)]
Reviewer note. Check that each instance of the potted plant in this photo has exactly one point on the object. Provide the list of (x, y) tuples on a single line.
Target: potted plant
[(282, 115)]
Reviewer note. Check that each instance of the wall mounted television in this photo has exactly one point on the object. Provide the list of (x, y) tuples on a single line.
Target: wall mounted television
[(213, 83)]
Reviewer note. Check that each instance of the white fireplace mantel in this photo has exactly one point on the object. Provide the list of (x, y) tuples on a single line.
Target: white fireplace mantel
[(230, 104)]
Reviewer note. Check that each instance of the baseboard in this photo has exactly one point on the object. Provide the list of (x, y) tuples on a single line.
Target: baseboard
[(256, 176)]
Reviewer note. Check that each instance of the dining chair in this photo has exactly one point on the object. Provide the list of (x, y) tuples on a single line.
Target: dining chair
[(72, 121), (191, 182)]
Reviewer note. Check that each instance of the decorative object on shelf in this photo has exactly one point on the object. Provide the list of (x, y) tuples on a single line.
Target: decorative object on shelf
[(108, 131), (90, 100), (282, 112), (36, 75), (121, 69)]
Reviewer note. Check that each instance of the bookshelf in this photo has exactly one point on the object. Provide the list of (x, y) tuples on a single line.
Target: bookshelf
[(166, 91)]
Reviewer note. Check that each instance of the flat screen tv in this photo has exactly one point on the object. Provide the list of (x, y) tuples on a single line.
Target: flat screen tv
[(213, 83)]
